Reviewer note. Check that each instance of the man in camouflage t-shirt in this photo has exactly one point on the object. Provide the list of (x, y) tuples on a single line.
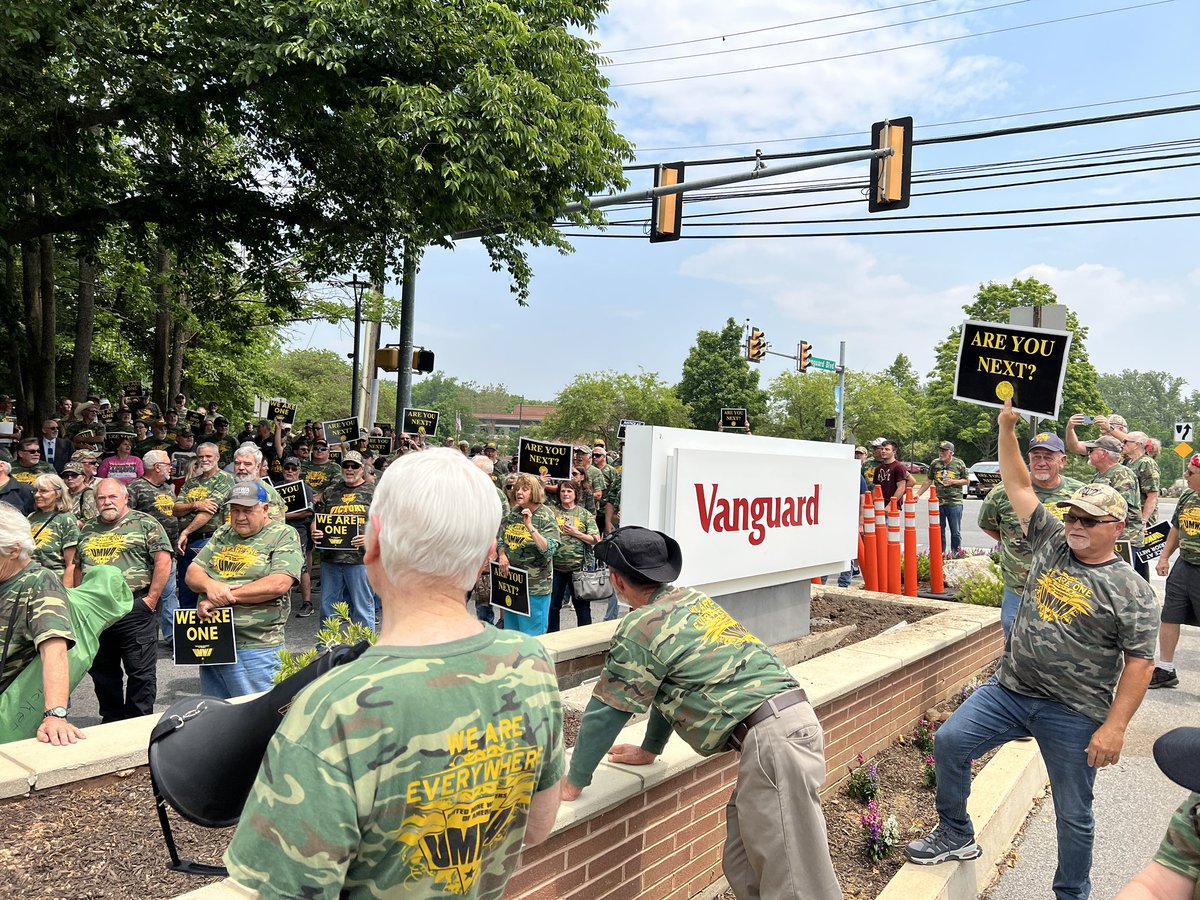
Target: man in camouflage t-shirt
[(154, 495), (431, 759), (949, 474), (686, 661), (137, 545), (1104, 455), (1047, 456), (250, 565), (34, 600), (1181, 599), (1074, 670), (201, 493), (343, 574)]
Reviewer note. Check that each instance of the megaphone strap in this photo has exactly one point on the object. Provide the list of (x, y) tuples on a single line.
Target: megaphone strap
[(173, 722)]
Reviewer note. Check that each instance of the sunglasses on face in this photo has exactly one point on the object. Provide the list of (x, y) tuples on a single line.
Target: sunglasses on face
[(1086, 521), (351, 465)]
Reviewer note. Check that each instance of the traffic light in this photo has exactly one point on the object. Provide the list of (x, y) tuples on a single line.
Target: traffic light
[(756, 345), (666, 212), (422, 361), (388, 359), (805, 355), (891, 176)]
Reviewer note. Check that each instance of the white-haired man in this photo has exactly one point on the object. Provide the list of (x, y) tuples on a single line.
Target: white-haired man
[(395, 725), (34, 600), (154, 495), (199, 495)]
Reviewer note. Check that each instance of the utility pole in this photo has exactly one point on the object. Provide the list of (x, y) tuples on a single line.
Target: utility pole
[(839, 430), (356, 287), (408, 303)]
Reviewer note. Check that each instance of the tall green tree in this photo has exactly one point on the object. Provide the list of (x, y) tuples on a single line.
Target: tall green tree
[(1153, 402), (973, 427), (874, 407), (593, 405), (717, 374)]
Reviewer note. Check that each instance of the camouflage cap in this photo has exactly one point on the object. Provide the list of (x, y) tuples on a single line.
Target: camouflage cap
[(85, 455), (1099, 500), (247, 493), (352, 456), (1178, 755), (1108, 442), (946, 445), (73, 468), (878, 442), (1046, 440)]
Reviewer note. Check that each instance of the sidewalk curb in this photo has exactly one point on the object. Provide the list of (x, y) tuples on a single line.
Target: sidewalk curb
[(1001, 797)]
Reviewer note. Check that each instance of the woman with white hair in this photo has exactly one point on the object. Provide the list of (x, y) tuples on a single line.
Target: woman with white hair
[(388, 745), (36, 621), (55, 528)]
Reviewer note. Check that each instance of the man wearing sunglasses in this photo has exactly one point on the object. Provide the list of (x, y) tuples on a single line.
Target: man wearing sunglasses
[(686, 661), (343, 572), (1074, 671)]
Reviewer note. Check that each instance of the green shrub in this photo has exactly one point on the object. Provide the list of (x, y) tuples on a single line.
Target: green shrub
[(863, 784), (985, 589), (338, 630)]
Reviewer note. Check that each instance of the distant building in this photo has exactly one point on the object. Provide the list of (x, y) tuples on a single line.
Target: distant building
[(498, 424)]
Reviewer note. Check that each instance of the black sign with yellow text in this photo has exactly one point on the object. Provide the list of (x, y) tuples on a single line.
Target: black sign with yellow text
[(380, 446), (421, 421), (281, 411), (1010, 362), (733, 417), (540, 458), (337, 530), (293, 494), (204, 642), (1153, 542), (341, 430), (510, 592)]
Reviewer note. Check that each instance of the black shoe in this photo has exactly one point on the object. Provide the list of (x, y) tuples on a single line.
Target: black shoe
[(1163, 678), (305, 610), (939, 847)]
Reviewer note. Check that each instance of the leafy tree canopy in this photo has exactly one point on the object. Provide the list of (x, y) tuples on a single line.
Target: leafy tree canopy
[(717, 374), (593, 405)]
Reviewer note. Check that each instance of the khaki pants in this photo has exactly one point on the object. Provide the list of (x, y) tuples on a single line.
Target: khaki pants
[(775, 843)]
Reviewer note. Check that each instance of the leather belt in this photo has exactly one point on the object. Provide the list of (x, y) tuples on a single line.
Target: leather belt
[(771, 707)]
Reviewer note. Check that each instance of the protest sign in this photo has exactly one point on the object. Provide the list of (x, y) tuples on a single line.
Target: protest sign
[(204, 642), (134, 389), (281, 411), (337, 530), (194, 418), (540, 458), (293, 494), (1008, 362), (421, 421), (1154, 541), (733, 417), (380, 446), (341, 430), (510, 592), (624, 422)]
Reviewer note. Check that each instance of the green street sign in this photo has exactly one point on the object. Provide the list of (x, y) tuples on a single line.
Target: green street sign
[(825, 365)]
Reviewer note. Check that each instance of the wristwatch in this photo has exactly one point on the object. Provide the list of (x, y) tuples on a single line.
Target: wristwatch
[(57, 712)]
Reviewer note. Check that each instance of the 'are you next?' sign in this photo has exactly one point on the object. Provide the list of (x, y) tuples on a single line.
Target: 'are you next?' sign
[(1011, 362)]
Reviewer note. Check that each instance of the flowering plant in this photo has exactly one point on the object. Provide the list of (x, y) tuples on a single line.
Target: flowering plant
[(930, 771), (923, 736), (880, 836), (863, 785)]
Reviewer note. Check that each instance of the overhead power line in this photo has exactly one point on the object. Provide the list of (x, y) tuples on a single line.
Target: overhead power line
[(928, 43)]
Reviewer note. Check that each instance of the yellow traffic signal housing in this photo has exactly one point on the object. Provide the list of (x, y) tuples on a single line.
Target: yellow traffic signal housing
[(756, 345), (388, 359), (422, 361), (666, 215), (891, 176), (805, 355)]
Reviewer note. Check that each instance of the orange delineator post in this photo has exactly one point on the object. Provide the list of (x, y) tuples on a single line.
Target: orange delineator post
[(866, 544), (893, 548), (910, 544), (937, 582), (881, 539)]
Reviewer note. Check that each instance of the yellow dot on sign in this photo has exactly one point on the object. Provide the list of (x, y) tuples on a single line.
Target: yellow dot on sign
[(508, 601), (1004, 390), (1184, 449)]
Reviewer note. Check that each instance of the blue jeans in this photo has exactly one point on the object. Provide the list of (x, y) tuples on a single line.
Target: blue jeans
[(612, 610), (1008, 611), (564, 589), (347, 583), (254, 671), (952, 516), (536, 622), (187, 597), (168, 602), (993, 716)]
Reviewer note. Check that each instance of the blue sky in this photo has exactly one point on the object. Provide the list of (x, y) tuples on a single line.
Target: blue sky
[(632, 305)]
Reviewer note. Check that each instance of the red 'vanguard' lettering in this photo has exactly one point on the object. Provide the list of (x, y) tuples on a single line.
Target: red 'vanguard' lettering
[(757, 515)]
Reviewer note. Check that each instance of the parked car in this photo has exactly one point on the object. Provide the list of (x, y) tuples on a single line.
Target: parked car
[(916, 468), (983, 477)]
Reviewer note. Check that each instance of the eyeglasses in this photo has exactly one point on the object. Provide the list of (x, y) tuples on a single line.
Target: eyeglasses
[(31, 452), (597, 455), (351, 465), (1086, 521)]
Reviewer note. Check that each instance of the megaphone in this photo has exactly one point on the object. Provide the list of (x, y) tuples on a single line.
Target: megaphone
[(205, 753)]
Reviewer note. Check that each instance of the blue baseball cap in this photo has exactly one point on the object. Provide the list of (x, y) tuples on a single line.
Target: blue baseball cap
[(248, 493), (1047, 441)]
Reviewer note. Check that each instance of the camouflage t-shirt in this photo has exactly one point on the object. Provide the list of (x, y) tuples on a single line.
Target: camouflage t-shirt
[(1075, 623), (53, 533), (1180, 848), (318, 476), (996, 514), (129, 544), (1145, 471), (613, 496), (422, 762), (42, 611), (571, 552), (341, 499), (693, 662), (1186, 521), (236, 560), (948, 494), (95, 430), (213, 486), (1121, 480), (28, 474), (157, 501), (83, 504), (513, 538)]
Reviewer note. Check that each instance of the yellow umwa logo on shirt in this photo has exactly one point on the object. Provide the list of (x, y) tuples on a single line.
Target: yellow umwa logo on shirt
[(516, 535), (1189, 522), (232, 562), (42, 537), (195, 494), (164, 504), (718, 626), (104, 548), (1060, 597)]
